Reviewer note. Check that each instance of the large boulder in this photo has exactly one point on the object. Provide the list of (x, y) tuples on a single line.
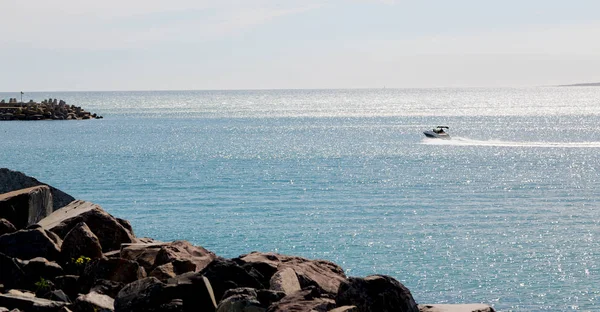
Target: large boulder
[(183, 256), (94, 302), (225, 274), (322, 274), (117, 270), (37, 268), (240, 300), (11, 272), (285, 280), (144, 295), (376, 293), (107, 228), (13, 180), (307, 300), (29, 303), (6, 227), (29, 244), (80, 241), (26, 206), (195, 291)]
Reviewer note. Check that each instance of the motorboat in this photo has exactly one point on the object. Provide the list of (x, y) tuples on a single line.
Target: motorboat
[(438, 133)]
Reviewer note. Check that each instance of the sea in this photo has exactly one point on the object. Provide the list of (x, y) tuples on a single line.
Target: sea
[(505, 213)]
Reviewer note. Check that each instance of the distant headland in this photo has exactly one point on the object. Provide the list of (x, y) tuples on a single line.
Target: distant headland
[(50, 109), (590, 84)]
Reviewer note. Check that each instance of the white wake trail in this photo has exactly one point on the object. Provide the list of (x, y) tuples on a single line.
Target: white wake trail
[(460, 141)]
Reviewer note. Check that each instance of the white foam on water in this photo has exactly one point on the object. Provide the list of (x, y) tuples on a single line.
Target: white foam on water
[(461, 141)]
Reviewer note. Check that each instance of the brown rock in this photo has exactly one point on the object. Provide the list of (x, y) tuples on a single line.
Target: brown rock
[(29, 244), (151, 295), (345, 309), (308, 300), (108, 230), (285, 280), (26, 206), (323, 274), (225, 274), (376, 293), (14, 180), (80, 241), (182, 253)]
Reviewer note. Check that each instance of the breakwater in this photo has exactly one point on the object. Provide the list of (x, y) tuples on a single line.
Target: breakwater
[(80, 258), (50, 109)]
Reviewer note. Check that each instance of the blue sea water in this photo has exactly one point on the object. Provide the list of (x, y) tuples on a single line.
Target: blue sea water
[(505, 213)]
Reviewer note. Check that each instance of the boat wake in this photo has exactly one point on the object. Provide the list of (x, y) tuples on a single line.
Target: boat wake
[(460, 141)]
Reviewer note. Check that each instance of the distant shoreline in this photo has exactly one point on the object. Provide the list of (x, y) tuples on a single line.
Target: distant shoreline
[(591, 84)]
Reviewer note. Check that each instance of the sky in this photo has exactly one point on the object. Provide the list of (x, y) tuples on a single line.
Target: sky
[(75, 45)]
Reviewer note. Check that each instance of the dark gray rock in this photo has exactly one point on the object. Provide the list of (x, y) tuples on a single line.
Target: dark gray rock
[(144, 295), (80, 241), (28, 303), (11, 273), (225, 274), (26, 206), (117, 270), (69, 284), (6, 227), (195, 291), (13, 180), (37, 268), (376, 293), (29, 244), (93, 302), (240, 300)]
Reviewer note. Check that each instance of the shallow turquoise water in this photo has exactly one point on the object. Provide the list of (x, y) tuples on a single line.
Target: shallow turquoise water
[(506, 213)]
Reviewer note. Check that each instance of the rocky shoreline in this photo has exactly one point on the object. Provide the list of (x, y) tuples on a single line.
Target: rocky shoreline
[(50, 109), (62, 254)]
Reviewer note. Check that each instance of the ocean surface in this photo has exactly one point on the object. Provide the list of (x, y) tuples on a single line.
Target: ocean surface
[(506, 213)]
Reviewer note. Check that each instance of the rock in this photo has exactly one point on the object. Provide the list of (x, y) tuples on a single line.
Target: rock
[(26, 206), (37, 268), (225, 274), (28, 303), (93, 302), (107, 287), (376, 293), (143, 295), (69, 284), (455, 308), (266, 297), (118, 270), (6, 227), (29, 244), (172, 269), (345, 309), (11, 274), (323, 274), (14, 180), (181, 253), (195, 290), (307, 300), (58, 295), (108, 230), (80, 241), (285, 280), (240, 300)]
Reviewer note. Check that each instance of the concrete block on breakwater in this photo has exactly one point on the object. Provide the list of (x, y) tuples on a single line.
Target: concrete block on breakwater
[(50, 109)]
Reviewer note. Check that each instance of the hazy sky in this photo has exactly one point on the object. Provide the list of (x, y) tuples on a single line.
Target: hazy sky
[(262, 44)]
